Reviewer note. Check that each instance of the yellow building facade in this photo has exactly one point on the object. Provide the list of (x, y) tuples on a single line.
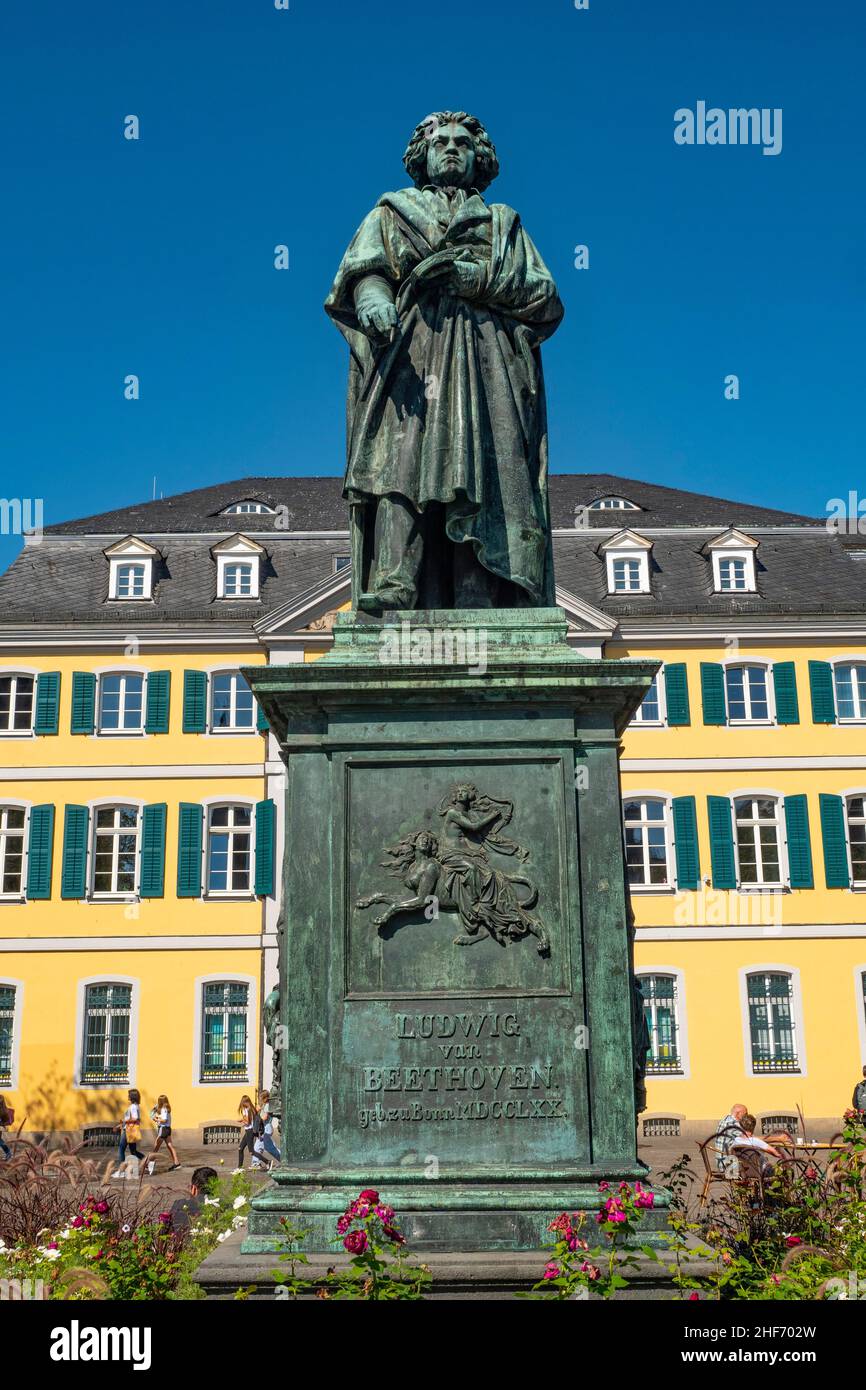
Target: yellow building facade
[(141, 825)]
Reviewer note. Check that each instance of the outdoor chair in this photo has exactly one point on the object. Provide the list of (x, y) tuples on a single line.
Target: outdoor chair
[(711, 1156)]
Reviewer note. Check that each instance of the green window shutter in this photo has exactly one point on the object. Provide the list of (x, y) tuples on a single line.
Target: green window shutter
[(47, 719), (40, 846), (677, 693), (785, 688), (836, 873), (686, 841), (713, 693), (262, 721), (158, 692), (189, 833), (264, 848), (194, 702), (83, 702), (152, 878), (722, 842), (799, 844), (821, 687), (73, 880)]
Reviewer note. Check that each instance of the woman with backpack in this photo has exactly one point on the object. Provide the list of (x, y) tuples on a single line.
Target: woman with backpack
[(130, 1131), (268, 1145), (161, 1116)]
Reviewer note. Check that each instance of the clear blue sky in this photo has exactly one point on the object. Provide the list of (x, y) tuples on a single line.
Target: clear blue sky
[(261, 126)]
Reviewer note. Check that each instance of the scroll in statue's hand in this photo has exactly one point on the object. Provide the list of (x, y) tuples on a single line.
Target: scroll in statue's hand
[(444, 270)]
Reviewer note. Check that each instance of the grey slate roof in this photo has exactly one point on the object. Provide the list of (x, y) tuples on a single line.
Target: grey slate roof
[(316, 504), (66, 578)]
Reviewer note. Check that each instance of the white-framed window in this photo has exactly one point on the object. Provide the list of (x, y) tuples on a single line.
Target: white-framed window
[(248, 508), (238, 579), (757, 824), (229, 863), (13, 823), (613, 504), (8, 1038), (733, 557), (121, 702), (770, 997), (626, 575), (661, 1010), (732, 574), (130, 573), (651, 710), (855, 816), (747, 690), (132, 579), (225, 1031), (17, 702), (106, 1033), (627, 563), (647, 842), (232, 707), (114, 851), (238, 560), (849, 678)]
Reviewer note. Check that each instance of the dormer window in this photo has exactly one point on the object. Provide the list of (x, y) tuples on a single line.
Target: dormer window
[(733, 559), (613, 504), (627, 561), (130, 574), (248, 508), (238, 567)]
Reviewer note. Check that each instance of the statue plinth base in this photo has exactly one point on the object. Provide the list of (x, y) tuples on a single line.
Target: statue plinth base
[(455, 967)]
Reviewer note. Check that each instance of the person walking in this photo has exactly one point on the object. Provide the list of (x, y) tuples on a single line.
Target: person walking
[(161, 1116), (858, 1100), (268, 1143), (6, 1118), (249, 1115), (130, 1132)]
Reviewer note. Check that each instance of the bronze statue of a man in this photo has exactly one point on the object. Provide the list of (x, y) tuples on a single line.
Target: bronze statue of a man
[(444, 302)]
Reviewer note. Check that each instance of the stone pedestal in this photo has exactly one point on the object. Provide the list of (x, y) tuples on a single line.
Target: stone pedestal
[(471, 1058)]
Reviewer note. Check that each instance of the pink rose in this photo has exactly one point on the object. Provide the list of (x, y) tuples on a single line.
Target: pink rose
[(551, 1270), (369, 1195), (694, 1298), (794, 1240), (356, 1242)]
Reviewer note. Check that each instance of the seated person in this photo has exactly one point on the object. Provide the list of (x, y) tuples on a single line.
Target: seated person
[(202, 1180), (749, 1140), (728, 1129)]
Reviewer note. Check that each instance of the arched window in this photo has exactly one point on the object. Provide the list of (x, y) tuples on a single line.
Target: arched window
[(12, 846), (114, 852), (106, 1033), (248, 507), (613, 504), (224, 1030), (758, 840), (747, 693), (229, 850), (771, 1022), (660, 1004), (645, 822), (850, 681), (16, 702)]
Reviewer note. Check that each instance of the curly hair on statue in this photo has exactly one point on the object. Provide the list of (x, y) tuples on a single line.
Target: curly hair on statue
[(415, 158)]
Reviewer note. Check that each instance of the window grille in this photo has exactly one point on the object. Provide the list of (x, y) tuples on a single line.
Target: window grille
[(780, 1124), (771, 1023), (221, 1134), (7, 1024), (107, 1014), (100, 1137), (660, 1008), (663, 1127), (224, 1031)]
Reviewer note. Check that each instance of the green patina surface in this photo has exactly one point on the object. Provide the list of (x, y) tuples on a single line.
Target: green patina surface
[(481, 1086)]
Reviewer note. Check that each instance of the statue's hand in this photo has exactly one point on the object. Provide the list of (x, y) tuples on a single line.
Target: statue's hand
[(377, 319), (466, 279)]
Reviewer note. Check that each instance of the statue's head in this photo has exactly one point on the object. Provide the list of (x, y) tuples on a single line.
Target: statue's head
[(425, 842), (465, 794), (451, 148)]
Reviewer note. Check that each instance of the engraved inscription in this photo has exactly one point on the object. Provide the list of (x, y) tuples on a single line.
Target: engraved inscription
[(458, 1080)]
